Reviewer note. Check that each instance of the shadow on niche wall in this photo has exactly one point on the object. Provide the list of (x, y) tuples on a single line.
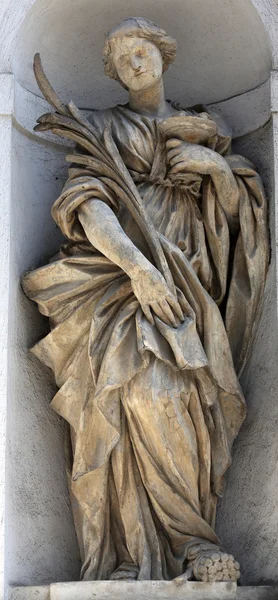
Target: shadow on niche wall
[(247, 515), (42, 545)]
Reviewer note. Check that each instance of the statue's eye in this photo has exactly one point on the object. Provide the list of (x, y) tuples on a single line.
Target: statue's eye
[(124, 59)]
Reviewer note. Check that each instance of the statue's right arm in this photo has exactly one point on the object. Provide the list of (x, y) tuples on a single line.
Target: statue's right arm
[(105, 233)]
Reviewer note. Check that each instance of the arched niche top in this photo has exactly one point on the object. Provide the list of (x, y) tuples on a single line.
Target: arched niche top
[(224, 48)]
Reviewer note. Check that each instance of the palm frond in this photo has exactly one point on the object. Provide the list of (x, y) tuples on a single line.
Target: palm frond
[(102, 158)]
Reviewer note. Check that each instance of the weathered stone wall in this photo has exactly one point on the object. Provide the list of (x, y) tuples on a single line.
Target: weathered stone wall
[(41, 544)]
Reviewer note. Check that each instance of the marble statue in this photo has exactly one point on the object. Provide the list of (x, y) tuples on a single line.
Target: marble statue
[(152, 303)]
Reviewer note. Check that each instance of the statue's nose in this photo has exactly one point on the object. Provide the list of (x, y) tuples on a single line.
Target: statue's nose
[(136, 63)]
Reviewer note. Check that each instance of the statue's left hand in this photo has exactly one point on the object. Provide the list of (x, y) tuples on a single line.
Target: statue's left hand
[(192, 158), (183, 157)]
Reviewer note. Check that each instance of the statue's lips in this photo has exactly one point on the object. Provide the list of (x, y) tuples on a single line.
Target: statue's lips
[(196, 130), (138, 74)]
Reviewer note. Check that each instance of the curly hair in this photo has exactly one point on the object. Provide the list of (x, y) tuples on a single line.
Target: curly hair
[(144, 29)]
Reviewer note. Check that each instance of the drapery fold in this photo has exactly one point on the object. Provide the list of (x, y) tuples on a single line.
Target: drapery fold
[(107, 357)]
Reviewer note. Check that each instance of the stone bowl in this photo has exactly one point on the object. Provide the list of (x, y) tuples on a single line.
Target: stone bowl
[(195, 130)]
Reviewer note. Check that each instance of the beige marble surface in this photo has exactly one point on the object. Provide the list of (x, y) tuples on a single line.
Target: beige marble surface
[(144, 590), (149, 590)]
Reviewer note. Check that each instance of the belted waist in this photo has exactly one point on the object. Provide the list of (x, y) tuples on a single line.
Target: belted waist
[(187, 181)]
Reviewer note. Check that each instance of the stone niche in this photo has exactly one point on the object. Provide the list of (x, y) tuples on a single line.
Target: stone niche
[(227, 58)]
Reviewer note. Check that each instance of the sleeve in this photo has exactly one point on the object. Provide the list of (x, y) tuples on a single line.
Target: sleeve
[(239, 266), (250, 260)]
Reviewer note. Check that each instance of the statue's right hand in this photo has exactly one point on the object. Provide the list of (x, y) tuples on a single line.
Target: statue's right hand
[(151, 290)]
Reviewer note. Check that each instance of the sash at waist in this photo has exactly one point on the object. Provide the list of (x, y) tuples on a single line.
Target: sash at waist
[(187, 181)]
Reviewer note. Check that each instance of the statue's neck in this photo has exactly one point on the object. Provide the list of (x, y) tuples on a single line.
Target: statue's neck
[(150, 101)]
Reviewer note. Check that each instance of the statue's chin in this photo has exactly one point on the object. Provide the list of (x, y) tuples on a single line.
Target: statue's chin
[(142, 82)]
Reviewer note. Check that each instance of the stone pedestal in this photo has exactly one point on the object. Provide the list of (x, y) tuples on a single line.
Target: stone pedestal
[(143, 590)]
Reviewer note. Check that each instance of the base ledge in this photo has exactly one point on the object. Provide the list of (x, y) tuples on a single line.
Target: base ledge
[(141, 590)]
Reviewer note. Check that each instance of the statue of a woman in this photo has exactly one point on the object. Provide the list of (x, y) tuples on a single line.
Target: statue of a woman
[(148, 371)]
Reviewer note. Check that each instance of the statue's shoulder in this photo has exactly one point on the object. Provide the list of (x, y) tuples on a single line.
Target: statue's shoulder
[(223, 126)]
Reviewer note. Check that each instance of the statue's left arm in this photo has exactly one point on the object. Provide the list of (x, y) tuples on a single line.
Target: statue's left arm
[(240, 194), (192, 158)]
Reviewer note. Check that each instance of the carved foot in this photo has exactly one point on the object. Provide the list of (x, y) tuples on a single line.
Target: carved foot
[(126, 572)]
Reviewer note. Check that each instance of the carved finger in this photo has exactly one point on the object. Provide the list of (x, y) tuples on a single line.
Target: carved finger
[(172, 153), (173, 143), (182, 300), (183, 305), (176, 306), (160, 313), (180, 165), (147, 312), (168, 311), (185, 167)]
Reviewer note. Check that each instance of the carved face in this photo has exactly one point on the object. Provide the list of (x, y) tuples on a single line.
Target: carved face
[(138, 62)]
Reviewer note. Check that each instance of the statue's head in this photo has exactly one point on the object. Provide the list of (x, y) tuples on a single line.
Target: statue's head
[(137, 52)]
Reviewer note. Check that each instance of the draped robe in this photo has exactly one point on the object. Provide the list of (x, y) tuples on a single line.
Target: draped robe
[(153, 411)]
